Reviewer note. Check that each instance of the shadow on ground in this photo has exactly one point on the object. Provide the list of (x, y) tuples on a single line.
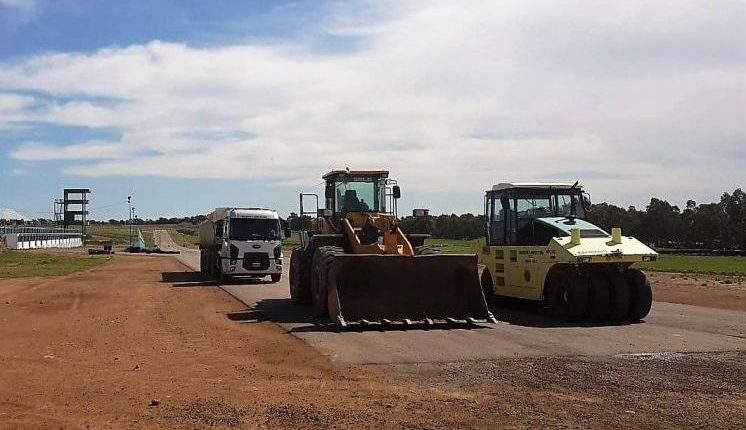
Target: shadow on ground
[(283, 311), (528, 313), (196, 279)]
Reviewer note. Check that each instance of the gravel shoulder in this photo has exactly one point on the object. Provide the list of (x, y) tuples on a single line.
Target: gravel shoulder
[(712, 291), (124, 346)]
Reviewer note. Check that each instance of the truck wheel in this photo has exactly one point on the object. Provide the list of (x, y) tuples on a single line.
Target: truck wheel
[(276, 277), (567, 295), (201, 261), (300, 290), (487, 287), (599, 297), (620, 295), (641, 294)]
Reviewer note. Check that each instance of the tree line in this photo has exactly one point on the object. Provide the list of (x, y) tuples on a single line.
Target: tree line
[(719, 225)]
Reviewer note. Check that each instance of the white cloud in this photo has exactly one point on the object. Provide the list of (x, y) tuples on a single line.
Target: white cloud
[(643, 97)]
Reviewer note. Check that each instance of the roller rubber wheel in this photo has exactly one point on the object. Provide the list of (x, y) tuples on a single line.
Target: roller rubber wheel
[(567, 295), (641, 294), (598, 297), (620, 295), (322, 261), (485, 281), (300, 290), (276, 278)]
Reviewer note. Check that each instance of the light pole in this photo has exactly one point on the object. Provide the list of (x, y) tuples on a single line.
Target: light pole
[(129, 205)]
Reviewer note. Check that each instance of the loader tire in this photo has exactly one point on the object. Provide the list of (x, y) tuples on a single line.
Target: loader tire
[(425, 250), (485, 280), (641, 294), (599, 297), (620, 296), (322, 261), (300, 288), (567, 295)]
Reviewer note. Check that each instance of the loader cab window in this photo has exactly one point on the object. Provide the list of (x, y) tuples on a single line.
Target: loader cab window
[(358, 195)]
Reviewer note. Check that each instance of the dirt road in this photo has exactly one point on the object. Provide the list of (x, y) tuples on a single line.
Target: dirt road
[(670, 327), (98, 348)]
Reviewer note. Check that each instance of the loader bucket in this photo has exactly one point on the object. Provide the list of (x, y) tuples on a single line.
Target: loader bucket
[(405, 289)]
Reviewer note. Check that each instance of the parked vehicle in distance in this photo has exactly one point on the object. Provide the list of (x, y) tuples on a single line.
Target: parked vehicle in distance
[(242, 242)]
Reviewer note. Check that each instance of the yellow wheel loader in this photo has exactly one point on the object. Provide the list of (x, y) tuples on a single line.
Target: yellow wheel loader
[(355, 265), (539, 247)]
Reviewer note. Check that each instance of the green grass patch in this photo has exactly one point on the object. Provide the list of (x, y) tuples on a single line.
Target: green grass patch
[(451, 246), (119, 235), (184, 238), (25, 264), (716, 265)]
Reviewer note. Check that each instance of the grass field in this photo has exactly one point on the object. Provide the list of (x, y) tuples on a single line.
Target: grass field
[(119, 234), (24, 264), (451, 246), (717, 265)]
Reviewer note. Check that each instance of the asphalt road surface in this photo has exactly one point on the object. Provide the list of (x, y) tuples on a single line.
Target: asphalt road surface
[(519, 333)]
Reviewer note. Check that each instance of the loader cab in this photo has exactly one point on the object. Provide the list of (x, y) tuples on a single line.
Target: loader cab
[(358, 191), (531, 214)]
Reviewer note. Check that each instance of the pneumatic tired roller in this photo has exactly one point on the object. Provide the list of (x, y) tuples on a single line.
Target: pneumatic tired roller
[(355, 265), (539, 247)]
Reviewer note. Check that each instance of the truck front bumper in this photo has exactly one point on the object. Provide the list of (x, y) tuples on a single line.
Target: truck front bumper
[(258, 265)]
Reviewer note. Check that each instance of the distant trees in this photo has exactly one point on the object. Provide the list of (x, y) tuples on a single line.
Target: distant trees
[(719, 225)]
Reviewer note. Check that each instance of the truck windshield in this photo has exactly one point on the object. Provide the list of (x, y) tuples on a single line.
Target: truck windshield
[(358, 196), (254, 229)]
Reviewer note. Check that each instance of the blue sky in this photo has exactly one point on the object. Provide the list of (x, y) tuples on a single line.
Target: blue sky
[(188, 105)]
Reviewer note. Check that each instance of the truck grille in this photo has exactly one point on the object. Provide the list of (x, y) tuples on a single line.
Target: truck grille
[(256, 261)]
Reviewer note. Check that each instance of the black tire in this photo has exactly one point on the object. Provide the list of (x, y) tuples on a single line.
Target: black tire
[(620, 296), (322, 261), (488, 287), (567, 295), (201, 261), (300, 288), (276, 277), (425, 250), (641, 294), (599, 297), (219, 268)]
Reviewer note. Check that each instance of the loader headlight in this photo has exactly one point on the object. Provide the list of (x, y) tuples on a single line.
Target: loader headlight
[(649, 258), (584, 260)]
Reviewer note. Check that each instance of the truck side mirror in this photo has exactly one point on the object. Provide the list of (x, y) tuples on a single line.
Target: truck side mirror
[(586, 202), (288, 233), (396, 191)]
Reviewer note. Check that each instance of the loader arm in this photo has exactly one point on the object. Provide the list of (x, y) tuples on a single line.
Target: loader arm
[(394, 240)]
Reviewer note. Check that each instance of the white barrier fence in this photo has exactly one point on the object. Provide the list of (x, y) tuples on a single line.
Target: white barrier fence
[(43, 240)]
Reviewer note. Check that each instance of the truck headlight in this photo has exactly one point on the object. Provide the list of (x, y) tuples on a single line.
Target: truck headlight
[(649, 257)]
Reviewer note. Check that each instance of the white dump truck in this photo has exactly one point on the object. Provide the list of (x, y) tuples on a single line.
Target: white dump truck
[(242, 242)]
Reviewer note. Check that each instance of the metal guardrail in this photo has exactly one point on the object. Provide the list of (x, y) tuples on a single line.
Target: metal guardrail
[(41, 230)]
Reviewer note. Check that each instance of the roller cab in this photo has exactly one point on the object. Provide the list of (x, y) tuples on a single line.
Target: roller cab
[(538, 246)]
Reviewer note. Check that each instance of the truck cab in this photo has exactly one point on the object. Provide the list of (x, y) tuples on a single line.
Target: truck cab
[(242, 242)]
